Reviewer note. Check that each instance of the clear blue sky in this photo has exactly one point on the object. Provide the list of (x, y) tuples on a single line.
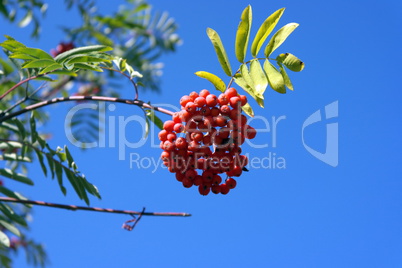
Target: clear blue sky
[(309, 214)]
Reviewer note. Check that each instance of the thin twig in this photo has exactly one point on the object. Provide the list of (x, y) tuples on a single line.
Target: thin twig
[(84, 98), (106, 210), (18, 84)]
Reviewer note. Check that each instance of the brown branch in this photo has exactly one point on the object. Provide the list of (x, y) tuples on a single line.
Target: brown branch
[(18, 84), (84, 98), (107, 210)]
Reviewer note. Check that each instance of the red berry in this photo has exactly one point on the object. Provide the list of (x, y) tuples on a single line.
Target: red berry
[(224, 188), (168, 125), (250, 132), (190, 174), (181, 143), (176, 117), (235, 102), (193, 95), (187, 183), (200, 101), (216, 189), (204, 189), (178, 128), (231, 183), (204, 93), (162, 135), (211, 100), (184, 100), (231, 92), (223, 99), (243, 100)]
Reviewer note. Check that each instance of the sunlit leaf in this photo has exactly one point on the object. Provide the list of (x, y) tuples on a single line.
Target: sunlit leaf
[(26, 19), (80, 50), (34, 52), (275, 78), (285, 76), (243, 34), (265, 29), (292, 62), (241, 81), (4, 240), (248, 110), (258, 76), (52, 68), (220, 51), (10, 227), (38, 63), (85, 66), (215, 80), (279, 37), (8, 173)]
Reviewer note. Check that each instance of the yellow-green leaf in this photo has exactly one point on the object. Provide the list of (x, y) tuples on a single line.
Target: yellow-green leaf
[(243, 34), (292, 62), (215, 80), (241, 81), (265, 29), (279, 37), (258, 76), (42, 63), (248, 110), (275, 78), (220, 51), (51, 68), (285, 76)]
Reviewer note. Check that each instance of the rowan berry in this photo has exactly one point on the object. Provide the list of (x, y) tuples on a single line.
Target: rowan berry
[(204, 93), (204, 189), (211, 100), (200, 101), (168, 125), (231, 183), (231, 92), (224, 188)]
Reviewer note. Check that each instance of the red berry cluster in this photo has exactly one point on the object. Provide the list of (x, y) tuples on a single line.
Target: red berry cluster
[(207, 121)]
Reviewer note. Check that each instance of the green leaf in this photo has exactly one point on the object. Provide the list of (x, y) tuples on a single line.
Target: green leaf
[(22, 56), (8, 173), (285, 76), (34, 134), (52, 68), (103, 39), (38, 63), (77, 185), (59, 174), (7, 69), (4, 240), (64, 72), (215, 80), (265, 29), (11, 44), (10, 227), (258, 76), (151, 115), (14, 157), (220, 51), (34, 52), (243, 34), (275, 78), (248, 110), (9, 193), (85, 66), (21, 128), (9, 212), (85, 59), (279, 37), (292, 62), (241, 81), (80, 50), (42, 163), (69, 158), (51, 164)]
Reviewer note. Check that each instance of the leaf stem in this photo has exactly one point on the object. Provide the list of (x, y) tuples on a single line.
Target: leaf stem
[(106, 210)]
